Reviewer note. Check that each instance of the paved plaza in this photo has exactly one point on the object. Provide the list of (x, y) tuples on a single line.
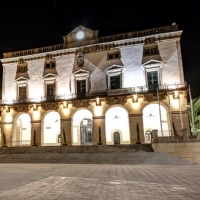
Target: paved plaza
[(99, 181)]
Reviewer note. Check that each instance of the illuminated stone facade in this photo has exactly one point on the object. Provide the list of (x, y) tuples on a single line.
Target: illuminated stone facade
[(92, 86)]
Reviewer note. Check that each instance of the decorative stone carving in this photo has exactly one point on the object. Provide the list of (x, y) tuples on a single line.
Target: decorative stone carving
[(116, 100), (81, 103), (48, 57), (80, 59), (21, 61)]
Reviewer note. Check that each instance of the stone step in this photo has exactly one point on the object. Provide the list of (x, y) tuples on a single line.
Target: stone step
[(137, 158), (77, 149)]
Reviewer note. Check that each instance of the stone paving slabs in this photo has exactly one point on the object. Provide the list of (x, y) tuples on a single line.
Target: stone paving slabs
[(97, 181)]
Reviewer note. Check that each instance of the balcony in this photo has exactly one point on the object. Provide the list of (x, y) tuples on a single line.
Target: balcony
[(94, 94)]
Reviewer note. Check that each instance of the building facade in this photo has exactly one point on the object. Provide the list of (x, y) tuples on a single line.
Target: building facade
[(94, 89)]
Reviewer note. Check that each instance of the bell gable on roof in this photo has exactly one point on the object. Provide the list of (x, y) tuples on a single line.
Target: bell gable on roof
[(80, 36)]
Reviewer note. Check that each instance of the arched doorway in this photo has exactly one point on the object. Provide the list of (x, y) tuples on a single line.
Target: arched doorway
[(116, 138), (21, 135), (50, 129), (86, 128), (117, 126), (148, 136), (82, 128), (156, 117)]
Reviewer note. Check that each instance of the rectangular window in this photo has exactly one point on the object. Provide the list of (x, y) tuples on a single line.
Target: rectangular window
[(114, 82), (150, 51), (81, 88), (47, 65), (50, 89), (22, 69), (110, 56), (50, 65), (113, 56), (22, 92), (152, 78), (117, 55)]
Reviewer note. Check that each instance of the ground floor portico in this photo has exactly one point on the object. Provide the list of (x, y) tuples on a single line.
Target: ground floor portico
[(89, 122)]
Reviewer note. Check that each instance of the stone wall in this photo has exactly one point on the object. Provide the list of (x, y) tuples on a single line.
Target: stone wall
[(189, 150)]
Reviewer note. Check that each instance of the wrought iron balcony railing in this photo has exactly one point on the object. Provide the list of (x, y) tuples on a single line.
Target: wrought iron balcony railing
[(94, 94)]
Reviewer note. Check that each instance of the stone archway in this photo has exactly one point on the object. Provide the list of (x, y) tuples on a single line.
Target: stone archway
[(82, 127), (152, 120), (50, 126), (86, 131), (117, 120), (21, 134)]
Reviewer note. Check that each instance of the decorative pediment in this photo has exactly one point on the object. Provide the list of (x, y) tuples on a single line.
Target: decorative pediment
[(80, 27), (21, 80), (50, 76), (152, 63), (80, 34), (81, 72), (114, 68)]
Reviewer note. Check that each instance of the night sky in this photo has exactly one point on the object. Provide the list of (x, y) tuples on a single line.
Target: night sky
[(26, 24)]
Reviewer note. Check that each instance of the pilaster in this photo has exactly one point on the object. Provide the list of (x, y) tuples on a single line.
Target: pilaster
[(99, 121)]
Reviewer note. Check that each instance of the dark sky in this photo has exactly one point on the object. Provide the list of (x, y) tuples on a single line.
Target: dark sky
[(28, 24)]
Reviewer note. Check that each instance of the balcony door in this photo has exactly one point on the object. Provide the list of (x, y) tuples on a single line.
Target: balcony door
[(50, 91), (115, 82), (22, 93), (152, 78), (81, 88)]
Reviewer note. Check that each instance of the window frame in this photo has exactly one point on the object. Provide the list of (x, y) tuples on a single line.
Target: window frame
[(115, 70), (79, 76), (113, 54), (19, 96), (50, 65), (22, 83), (150, 66)]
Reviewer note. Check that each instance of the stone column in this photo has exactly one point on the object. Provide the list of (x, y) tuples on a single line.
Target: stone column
[(67, 125), (36, 125), (133, 120), (99, 121)]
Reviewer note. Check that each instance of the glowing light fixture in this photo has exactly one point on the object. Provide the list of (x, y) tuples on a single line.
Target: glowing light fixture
[(80, 35), (98, 102), (116, 116), (35, 107), (65, 105), (176, 94), (150, 115), (135, 98), (7, 109)]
